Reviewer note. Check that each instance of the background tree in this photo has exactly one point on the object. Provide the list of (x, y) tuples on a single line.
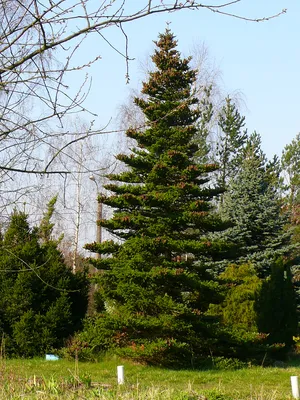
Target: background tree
[(241, 287), (276, 306), (41, 43), (74, 216), (261, 314), (42, 302), (231, 142), (239, 335), (152, 297), (290, 164), (32, 34), (254, 205)]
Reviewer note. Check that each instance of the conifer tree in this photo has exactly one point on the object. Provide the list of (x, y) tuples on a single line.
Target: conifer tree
[(241, 287), (231, 143), (254, 205), (276, 306), (46, 226), (290, 162), (42, 303), (152, 296)]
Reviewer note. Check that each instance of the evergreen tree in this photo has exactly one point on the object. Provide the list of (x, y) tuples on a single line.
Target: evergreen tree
[(46, 226), (241, 288), (203, 154), (254, 205), (276, 306), (42, 303), (152, 296), (290, 163), (231, 142)]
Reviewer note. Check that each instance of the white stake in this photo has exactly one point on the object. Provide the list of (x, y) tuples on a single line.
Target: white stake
[(120, 370), (295, 387)]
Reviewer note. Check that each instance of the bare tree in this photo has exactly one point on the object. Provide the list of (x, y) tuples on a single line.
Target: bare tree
[(77, 195), (39, 41), (32, 34)]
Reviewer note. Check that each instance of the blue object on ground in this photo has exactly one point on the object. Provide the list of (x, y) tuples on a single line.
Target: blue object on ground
[(51, 357)]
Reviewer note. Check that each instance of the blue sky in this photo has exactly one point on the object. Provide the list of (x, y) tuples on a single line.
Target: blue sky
[(260, 61)]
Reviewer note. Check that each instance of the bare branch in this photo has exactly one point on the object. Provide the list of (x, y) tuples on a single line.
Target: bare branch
[(39, 40)]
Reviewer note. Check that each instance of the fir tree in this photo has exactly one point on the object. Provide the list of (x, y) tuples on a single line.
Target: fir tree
[(153, 297)]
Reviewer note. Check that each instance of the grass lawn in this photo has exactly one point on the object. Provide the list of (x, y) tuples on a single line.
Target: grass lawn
[(41, 379)]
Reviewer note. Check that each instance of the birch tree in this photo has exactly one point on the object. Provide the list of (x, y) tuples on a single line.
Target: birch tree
[(38, 42)]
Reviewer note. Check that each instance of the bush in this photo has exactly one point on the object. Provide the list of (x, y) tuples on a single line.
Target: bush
[(216, 395), (227, 363)]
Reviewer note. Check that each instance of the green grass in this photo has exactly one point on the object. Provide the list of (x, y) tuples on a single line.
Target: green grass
[(40, 379)]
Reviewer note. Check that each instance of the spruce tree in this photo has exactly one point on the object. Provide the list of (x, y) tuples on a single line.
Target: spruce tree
[(152, 296), (231, 143), (254, 205)]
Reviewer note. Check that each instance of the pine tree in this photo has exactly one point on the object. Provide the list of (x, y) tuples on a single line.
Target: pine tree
[(153, 297), (254, 205)]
